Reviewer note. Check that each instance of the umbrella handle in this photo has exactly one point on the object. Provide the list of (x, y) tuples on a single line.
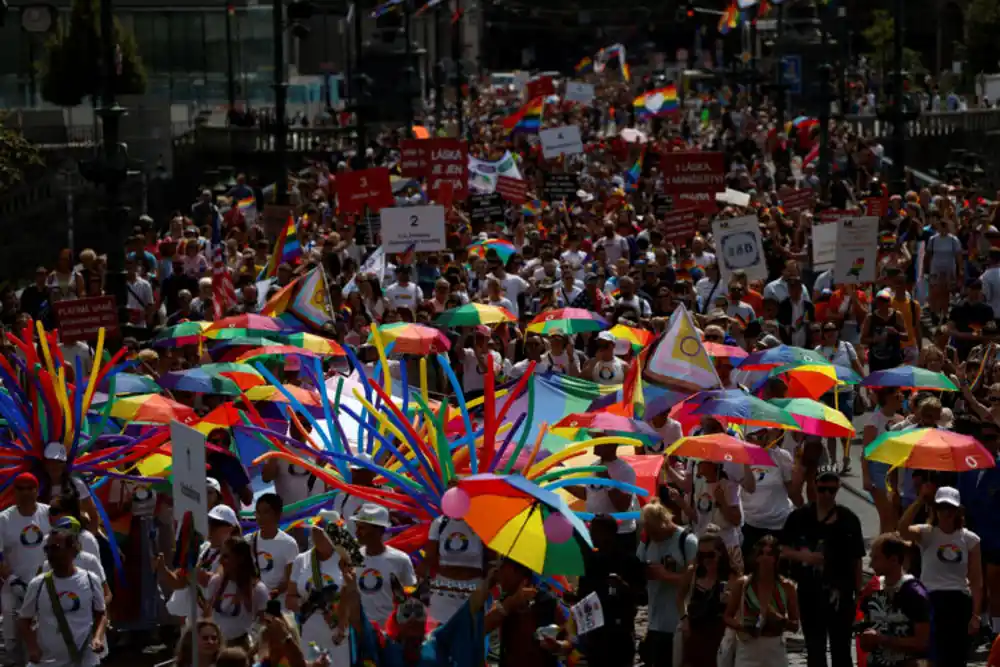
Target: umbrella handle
[(534, 506)]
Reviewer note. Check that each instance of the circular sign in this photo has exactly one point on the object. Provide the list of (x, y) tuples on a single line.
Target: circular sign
[(728, 458), (36, 18), (971, 461)]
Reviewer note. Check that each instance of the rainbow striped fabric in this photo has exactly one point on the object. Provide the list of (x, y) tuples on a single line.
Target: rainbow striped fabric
[(657, 102), (527, 119)]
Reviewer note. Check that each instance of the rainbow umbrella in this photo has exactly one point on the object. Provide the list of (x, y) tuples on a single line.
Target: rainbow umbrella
[(719, 448), (910, 377), (185, 333), (199, 381), (286, 350), (504, 248), (130, 383), (311, 342), (735, 354), (244, 375), (412, 338), (271, 394), (814, 418), (567, 321), (638, 338), (473, 314), (604, 421), (930, 449), (746, 410), (151, 409), (783, 355), (526, 523), (245, 325)]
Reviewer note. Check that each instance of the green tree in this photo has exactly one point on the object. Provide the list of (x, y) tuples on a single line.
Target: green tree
[(982, 20), (880, 37), (73, 68), (16, 154)]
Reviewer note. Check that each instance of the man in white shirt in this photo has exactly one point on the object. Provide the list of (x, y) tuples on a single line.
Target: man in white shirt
[(778, 289), (138, 296), (382, 563), (513, 285), (574, 257), (403, 293), (605, 500), (273, 549), (700, 256)]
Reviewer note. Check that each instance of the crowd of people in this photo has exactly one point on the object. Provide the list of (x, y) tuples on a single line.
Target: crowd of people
[(726, 559)]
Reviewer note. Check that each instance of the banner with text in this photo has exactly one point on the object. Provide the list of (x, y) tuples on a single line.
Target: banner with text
[(693, 179)]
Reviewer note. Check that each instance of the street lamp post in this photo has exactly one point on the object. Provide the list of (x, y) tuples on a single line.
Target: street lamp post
[(456, 55), (230, 69), (899, 115), (360, 91), (280, 124)]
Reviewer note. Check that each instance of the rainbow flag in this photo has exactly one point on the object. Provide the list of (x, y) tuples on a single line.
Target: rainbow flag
[(245, 204), (527, 119), (531, 208), (585, 65), (729, 19), (406, 257), (633, 174), (626, 73), (857, 267), (286, 249), (659, 102)]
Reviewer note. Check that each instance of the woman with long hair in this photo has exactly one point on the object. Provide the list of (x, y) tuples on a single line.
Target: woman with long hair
[(209, 643), (952, 572), (762, 606), (701, 600), (236, 597)]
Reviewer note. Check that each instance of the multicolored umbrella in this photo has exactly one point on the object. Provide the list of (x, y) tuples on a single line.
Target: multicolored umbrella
[(731, 352), (270, 393), (720, 448), (473, 314), (286, 350), (504, 248), (526, 523), (130, 383), (815, 418), (930, 449), (805, 380), (244, 375), (185, 333), (638, 338), (910, 377), (152, 409), (567, 321), (607, 422), (412, 338), (245, 325), (199, 381), (311, 342), (783, 355), (731, 406)]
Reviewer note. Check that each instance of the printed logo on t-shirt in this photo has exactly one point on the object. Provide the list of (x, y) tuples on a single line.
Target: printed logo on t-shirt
[(69, 601), (327, 582), (141, 494), (949, 553), (265, 562), (606, 372), (704, 503), (457, 543), (31, 536), (229, 604), (370, 580), (759, 473)]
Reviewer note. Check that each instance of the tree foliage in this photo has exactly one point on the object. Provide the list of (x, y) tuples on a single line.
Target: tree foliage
[(983, 22), (16, 154), (73, 69), (880, 37)]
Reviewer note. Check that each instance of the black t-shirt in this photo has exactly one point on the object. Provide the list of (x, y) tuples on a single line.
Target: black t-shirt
[(617, 601), (838, 537), (896, 613), (969, 317), (520, 648)]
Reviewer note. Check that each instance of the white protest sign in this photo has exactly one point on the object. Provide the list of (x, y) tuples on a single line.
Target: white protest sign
[(824, 245), (419, 226), (577, 91), (857, 250), (558, 141), (588, 614), (483, 174), (374, 264), (188, 468), (739, 247), (733, 198)]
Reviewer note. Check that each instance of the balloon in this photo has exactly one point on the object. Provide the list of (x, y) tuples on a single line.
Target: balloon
[(557, 528), (455, 503)]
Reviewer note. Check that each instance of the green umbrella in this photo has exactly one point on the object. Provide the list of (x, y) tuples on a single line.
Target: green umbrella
[(473, 314)]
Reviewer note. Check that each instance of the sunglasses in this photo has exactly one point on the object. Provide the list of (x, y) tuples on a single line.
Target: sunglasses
[(827, 489)]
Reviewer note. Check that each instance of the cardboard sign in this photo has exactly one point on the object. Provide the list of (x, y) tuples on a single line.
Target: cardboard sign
[(368, 187), (857, 250), (413, 158), (824, 246), (514, 190), (693, 178), (740, 248), (540, 87), (558, 141), (561, 186), (877, 206), (835, 214), (579, 92), (188, 468), (484, 209), (680, 226), (733, 198), (82, 319), (419, 226), (793, 201), (588, 614), (448, 160)]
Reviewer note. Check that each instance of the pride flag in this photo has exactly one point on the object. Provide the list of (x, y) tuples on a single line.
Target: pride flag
[(659, 102), (527, 119), (729, 19), (586, 64), (626, 73), (531, 208), (632, 175), (286, 249)]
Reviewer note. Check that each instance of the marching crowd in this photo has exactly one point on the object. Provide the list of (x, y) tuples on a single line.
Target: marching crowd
[(727, 559)]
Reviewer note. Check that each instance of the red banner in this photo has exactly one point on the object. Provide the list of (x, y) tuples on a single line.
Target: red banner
[(514, 190), (694, 178), (680, 226), (368, 187), (797, 200), (877, 206), (540, 87), (81, 319), (413, 158), (448, 160), (835, 214)]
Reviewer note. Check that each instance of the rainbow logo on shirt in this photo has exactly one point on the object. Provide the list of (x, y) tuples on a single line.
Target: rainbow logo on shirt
[(457, 543), (31, 536), (265, 561), (327, 581), (229, 604), (69, 601), (370, 581), (856, 267), (949, 553)]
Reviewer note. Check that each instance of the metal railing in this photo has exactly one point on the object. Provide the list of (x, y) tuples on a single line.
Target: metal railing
[(931, 124), (256, 139)]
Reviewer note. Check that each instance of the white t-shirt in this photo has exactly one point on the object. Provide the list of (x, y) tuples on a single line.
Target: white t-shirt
[(374, 581), (708, 510), (273, 556), (21, 538), (292, 482), (315, 630), (230, 608), (599, 500), (458, 546), (80, 595), (89, 544), (844, 355), (769, 505), (945, 558), (404, 296), (554, 363), (615, 247), (704, 259), (473, 377), (672, 431), (179, 603), (576, 259), (84, 561), (504, 302), (513, 287)]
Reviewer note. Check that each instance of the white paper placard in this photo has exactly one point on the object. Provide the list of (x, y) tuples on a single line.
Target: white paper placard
[(733, 198), (857, 250), (824, 246), (588, 614), (558, 141), (739, 247), (419, 226), (577, 91), (188, 468)]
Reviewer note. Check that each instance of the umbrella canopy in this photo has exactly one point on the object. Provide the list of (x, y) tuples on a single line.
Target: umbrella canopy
[(151, 408), (244, 375), (731, 352), (720, 448), (130, 383), (638, 338), (504, 248), (412, 338), (311, 342), (814, 418), (910, 377), (806, 380), (514, 517), (185, 333), (930, 449), (199, 381), (747, 410), (286, 350), (272, 394), (472, 314), (783, 355), (245, 325), (567, 321), (605, 421)]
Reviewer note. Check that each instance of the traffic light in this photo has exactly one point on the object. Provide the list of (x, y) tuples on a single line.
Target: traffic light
[(690, 10)]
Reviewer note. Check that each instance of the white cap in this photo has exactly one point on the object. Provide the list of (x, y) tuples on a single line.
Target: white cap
[(213, 484), (622, 347), (54, 451), (372, 514), (225, 514), (607, 336), (947, 495)]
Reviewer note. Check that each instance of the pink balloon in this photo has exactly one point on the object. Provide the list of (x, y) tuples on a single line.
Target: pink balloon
[(558, 529), (455, 503)]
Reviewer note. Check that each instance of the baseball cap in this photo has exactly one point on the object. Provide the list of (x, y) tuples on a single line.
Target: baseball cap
[(213, 484), (225, 514), (947, 495), (68, 523), (482, 330), (607, 337), (372, 514), (54, 451), (884, 294)]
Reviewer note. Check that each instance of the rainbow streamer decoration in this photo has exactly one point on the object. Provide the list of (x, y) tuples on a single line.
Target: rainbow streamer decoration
[(626, 73), (526, 120)]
